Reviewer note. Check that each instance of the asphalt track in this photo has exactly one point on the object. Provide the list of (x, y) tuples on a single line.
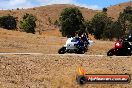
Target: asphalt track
[(81, 55)]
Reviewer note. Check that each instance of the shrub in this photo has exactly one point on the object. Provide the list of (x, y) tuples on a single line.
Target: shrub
[(28, 23), (8, 22), (71, 21)]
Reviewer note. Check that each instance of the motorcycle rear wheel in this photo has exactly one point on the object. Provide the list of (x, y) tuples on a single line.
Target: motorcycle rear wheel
[(80, 52)]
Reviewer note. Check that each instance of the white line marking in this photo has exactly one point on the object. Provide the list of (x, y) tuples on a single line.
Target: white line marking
[(81, 55), (21, 53), (86, 55), (74, 55), (121, 56)]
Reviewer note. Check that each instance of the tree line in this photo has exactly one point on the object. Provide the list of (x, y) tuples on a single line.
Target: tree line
[(100, 26)]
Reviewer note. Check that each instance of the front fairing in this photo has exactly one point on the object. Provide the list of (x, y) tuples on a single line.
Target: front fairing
[(70, 45)]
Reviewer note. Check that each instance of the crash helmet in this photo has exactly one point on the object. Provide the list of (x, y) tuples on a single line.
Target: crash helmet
[(128, 38)]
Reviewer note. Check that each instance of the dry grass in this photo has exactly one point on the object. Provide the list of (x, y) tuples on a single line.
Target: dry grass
[(15, 41), (58, 71)]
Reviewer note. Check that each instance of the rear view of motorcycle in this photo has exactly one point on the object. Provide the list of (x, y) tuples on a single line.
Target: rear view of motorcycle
[(123, 47)]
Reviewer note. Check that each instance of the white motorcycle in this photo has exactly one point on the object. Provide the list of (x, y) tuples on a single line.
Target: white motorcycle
[(74, 45)]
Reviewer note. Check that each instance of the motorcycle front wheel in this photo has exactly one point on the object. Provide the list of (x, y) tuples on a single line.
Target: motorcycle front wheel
[(110, 52), (62, 50)]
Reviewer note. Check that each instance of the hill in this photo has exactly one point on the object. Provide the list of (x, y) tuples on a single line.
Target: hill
[(114, 11), (46, 13), (52, 12)]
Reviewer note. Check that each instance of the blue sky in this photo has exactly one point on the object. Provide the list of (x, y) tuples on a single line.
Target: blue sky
[(92, 4)]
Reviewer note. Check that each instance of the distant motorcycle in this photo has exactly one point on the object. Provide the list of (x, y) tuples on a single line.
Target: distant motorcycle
[(123, 47), (74, 45)]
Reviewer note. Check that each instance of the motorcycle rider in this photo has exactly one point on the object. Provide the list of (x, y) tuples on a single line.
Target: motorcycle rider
[(129, 40), (73, 45), (125, 48), (84, 38), (80, 42)]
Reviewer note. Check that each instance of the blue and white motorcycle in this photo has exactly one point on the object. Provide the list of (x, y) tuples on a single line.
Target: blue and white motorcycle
[(75, 45)]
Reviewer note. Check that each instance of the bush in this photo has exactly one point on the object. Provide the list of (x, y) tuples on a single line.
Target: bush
[(28, 23), (8, 22), (125, 18), (71, 21), (117, 30), (89, 29), (100, 22)]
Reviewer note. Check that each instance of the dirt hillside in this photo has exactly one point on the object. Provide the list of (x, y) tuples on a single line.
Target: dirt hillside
[(114, 11), (44, 13), (52, 12)]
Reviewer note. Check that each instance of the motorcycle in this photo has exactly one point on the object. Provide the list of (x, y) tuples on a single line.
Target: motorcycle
[(74, 45), (123, 47)]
